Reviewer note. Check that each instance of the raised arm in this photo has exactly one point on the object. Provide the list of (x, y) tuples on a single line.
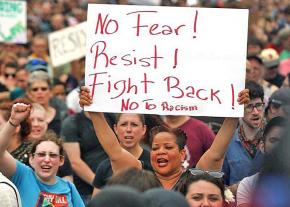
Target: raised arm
[(7, 162), (213, 158), (119, 157)]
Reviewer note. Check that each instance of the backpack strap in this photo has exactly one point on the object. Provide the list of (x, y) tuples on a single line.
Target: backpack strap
[(3, 182)]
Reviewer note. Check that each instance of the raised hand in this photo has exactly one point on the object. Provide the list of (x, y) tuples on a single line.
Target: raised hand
[(85, 98), (244, 97), (19, 112)]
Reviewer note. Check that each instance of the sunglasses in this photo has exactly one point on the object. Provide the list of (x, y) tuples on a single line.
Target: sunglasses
[(215, 174), (44, 154), (40, 88), (12, 75)]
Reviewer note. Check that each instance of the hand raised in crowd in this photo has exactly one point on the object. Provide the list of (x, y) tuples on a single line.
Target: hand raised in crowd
[(85, 98), (244, 97), (19, 112)]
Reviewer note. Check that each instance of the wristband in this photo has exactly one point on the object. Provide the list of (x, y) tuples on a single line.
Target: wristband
[(14, 125)]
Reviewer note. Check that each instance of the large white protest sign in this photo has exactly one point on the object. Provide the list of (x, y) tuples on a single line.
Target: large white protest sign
[(67, 44), (13, 21), (166, 60)]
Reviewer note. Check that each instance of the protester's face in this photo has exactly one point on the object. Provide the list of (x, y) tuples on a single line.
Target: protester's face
[(46, 167), (204, 194), (39, 47), (10, 76), (166, 157), (22, 79), (253, 118), (38, 124), (130, 130), (59, 92), (39, 92), (272, 139), (258, 71)]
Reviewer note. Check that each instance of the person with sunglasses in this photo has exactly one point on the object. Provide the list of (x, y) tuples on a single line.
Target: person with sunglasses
[(8, 80), (38, 186), (167, 145), (39, 91), (204, 188)]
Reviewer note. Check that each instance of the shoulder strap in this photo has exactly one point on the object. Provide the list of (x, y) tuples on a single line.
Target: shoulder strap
[(3, 182)]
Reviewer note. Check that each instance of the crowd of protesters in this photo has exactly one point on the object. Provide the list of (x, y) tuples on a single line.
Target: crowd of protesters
[(52, 153)]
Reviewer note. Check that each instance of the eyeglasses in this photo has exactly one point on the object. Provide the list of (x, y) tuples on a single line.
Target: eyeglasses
[(258, 106), (215, 174), (12, 75), (40, 88), (44, 154)]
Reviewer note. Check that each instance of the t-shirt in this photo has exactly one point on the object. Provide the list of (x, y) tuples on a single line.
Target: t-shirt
[(34, 193), (78, 128), (104, 171), (199, 139), (246, 189), (9, 196)]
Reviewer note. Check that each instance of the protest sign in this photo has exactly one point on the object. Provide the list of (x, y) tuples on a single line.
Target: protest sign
[(13, 21), (67, 44), (166, 60)]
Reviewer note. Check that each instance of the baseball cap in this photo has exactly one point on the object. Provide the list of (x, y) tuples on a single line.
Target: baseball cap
[(281, 97), (36, 64), (270, 58)]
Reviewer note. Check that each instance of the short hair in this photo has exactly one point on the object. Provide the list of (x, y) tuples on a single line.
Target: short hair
[(41, 36), (177, 132), (39, 76), (49, 136), (274, 122), (140, 180), (255, 90), (141, 117)]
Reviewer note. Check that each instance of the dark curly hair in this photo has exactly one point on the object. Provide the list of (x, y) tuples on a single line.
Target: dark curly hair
[(177, 132)]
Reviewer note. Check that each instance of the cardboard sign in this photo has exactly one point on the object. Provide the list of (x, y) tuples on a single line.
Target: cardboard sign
[(67, 44), (13, 21), (166, 60)]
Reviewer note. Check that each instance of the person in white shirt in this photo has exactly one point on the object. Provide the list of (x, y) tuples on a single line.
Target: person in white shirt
[(9, 195)]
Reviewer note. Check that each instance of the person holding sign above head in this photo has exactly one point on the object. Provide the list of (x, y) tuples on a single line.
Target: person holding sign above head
[(41, 186), (167, 145), (130, 129)]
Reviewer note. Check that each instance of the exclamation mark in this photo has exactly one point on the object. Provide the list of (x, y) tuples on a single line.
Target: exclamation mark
[(194, 25), (175, 58), (233, 97)]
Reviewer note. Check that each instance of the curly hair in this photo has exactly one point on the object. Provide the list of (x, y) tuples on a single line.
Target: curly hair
[(49, 136), (180, 135)]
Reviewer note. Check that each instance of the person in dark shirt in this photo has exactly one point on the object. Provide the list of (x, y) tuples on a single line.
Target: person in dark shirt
[(130, 129)]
